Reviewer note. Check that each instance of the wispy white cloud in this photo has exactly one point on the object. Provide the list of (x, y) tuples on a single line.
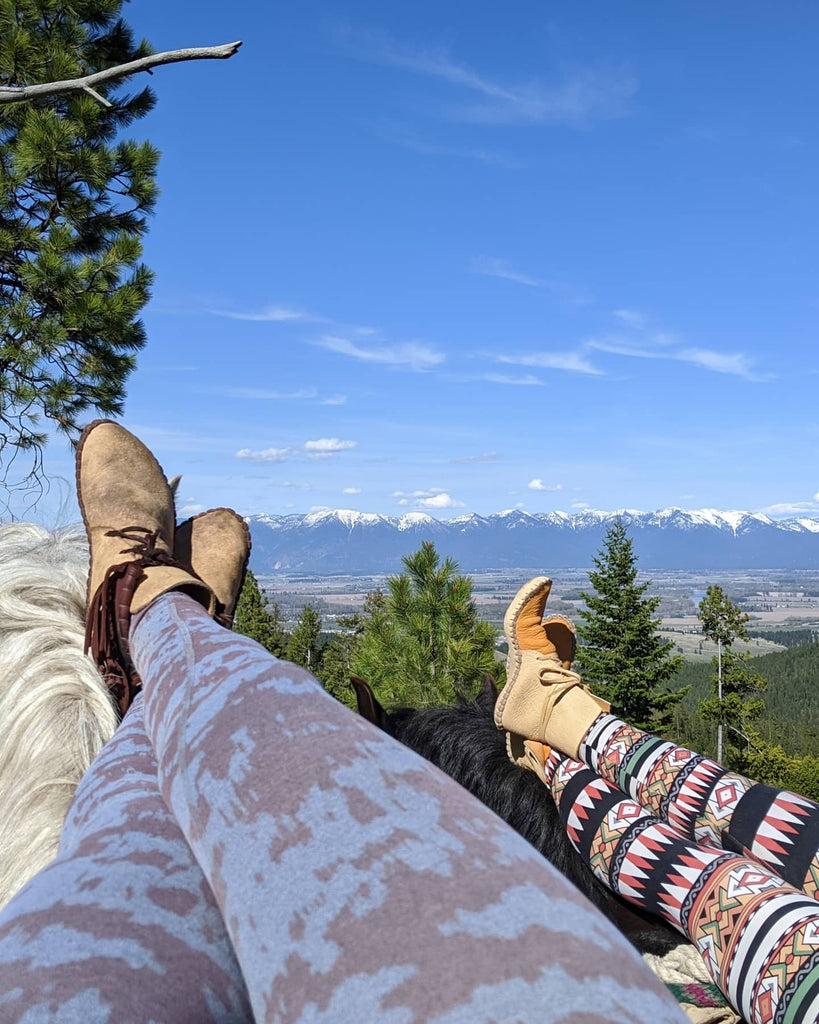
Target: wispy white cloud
[(580, 505), (617, 346), (272, 315), (630, 317), (529, 380), (271, 395), (409, 355), (440, 501), (351, 490), (191, 509), (538, 485), (581, 96), (735, 363), (793, 508), (573, 362), (325, 447), (661, 345), (263, 394), (329, 444), (639, 343), (265, 454), (407, 140), (433, 498), (484, 457), (491, 266), (322, 448)]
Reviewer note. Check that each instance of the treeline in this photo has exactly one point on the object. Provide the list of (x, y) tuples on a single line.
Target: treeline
[(791, 715), (786, 637), (327, 655)]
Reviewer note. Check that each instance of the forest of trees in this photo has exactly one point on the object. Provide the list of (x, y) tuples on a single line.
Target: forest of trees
[(420, 642)]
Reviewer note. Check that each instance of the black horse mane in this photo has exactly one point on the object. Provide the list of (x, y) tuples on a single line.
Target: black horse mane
[(463, 742)]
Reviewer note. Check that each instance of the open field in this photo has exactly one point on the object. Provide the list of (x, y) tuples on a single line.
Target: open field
[(773, 599)]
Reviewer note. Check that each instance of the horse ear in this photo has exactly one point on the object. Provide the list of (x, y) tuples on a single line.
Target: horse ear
[(489, 690), (368, 706)]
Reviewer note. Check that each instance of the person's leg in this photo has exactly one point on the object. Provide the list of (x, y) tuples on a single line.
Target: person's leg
[(543, 701), (757, 936), (711, 804), (357, 882), (122, 926)]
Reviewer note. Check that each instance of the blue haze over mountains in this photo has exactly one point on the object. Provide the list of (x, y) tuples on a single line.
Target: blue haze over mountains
[(346, 542)]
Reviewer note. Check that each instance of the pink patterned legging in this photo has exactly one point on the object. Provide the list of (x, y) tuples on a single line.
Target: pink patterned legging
[(247, 849)]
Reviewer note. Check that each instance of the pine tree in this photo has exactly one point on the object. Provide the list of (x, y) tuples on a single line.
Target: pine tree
[(422, 643), (302, 647), (259, 619), (73, 207), (736, 702), (622, 656)]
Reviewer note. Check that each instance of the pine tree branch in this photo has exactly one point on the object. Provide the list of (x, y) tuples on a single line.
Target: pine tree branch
[(18, 93), (743, 735)]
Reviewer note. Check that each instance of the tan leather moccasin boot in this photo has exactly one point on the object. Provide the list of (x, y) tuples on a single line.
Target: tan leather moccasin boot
[(127, 508), (561, 634), (542, 700), (215, 545)]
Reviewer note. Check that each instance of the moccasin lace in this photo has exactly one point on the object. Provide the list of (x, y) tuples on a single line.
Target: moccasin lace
[(109, 612)]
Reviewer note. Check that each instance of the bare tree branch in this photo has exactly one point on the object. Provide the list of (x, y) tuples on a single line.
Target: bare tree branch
[(18, 93)]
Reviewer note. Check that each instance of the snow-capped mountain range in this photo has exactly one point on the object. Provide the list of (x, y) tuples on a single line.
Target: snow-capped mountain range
[(343, 541)]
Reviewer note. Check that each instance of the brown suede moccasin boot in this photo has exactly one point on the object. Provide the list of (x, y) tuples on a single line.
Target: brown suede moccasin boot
[(215, 545), (542, 699), (127, 508)]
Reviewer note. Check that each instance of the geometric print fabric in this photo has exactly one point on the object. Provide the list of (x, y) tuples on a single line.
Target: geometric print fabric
[(781, 829), (759, 939), (708, 803), (757, 934)]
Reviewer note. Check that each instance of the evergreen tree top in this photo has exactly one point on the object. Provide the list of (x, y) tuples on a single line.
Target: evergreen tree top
[(74, 203), (73, 207), (622, 655)]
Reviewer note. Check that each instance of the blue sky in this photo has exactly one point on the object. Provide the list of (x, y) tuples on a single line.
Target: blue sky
[(469, 257)]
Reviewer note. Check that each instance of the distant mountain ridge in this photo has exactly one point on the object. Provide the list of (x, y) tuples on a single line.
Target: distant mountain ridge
[(348, 542)]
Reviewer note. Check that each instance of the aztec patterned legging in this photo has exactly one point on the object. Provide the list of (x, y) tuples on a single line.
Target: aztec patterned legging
[(708, 850), (246, 848)]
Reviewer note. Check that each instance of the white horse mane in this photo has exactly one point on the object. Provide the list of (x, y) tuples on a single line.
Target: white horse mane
[(55, 710)]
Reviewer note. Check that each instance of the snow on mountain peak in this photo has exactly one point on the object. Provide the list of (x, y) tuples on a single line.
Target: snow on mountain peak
[(411, 519), (346, 516), (343, 540), (724, 520)]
